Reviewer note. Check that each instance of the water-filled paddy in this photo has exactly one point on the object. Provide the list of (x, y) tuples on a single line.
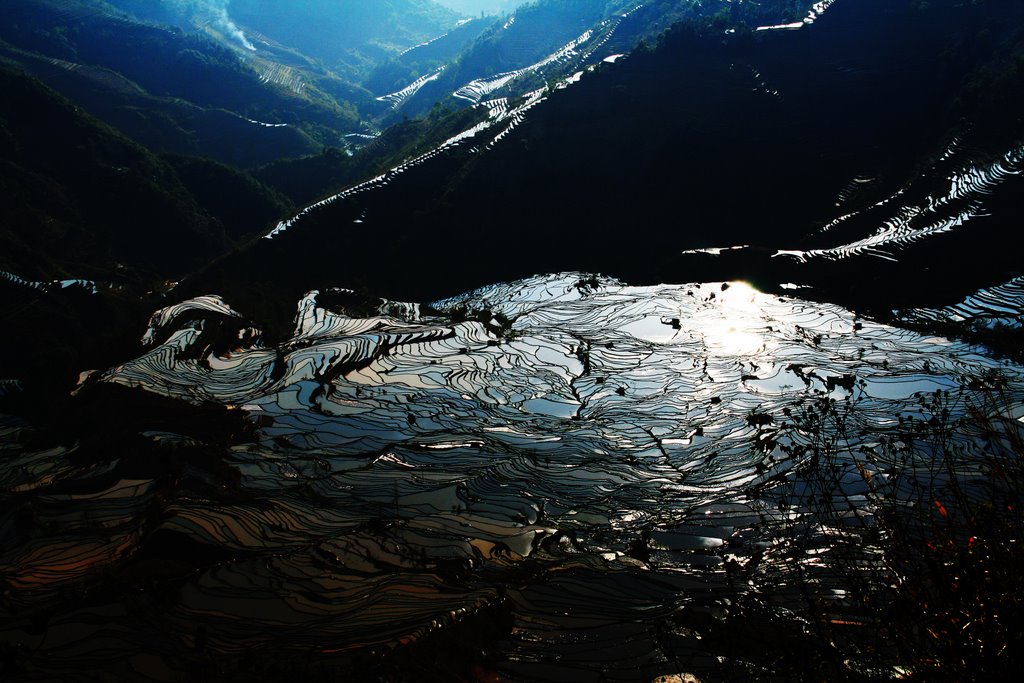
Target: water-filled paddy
[(601, 472)]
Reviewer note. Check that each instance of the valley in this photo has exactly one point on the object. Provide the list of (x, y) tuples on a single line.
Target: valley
[(590, 340)]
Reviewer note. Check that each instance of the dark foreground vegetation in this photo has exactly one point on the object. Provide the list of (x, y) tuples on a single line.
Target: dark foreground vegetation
[(933, 570)]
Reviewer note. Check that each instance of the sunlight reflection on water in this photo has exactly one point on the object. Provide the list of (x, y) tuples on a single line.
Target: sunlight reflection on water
[(583, 415)]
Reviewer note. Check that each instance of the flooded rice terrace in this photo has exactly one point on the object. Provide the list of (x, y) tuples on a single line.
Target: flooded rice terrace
[(562, 478)]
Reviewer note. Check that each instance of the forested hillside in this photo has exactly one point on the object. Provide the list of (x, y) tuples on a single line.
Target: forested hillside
[(706, 141)]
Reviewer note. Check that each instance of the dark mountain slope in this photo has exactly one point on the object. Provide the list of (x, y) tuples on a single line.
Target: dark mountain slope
[(424, 59), (177, 90), (310, 178), (709, 140), (162, 61), (578, 30), (80, 200), (242, 204), (75, 192), (165, 124), (535, 32)]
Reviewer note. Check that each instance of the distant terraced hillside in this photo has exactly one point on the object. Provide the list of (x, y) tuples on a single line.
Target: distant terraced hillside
[(701, 143), (172, 90), (348, 35)]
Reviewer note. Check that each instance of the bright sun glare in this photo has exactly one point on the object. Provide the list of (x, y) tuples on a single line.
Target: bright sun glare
[(733, 327)]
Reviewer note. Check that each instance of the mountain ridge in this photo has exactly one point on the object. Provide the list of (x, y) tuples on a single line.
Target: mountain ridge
[(906, 121)]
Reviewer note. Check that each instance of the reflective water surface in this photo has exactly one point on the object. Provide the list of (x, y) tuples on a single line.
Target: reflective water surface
[(594, 474)]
